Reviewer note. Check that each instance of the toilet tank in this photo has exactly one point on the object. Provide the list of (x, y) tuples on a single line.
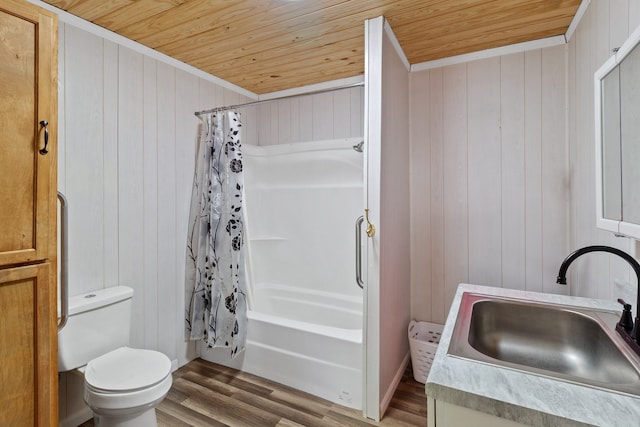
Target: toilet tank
[(99, 321)]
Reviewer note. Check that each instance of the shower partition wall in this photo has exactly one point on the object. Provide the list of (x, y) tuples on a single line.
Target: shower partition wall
[(306, 310)]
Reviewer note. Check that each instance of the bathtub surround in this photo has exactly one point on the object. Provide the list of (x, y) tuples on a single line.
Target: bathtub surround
[(305, 320), (215, 280)]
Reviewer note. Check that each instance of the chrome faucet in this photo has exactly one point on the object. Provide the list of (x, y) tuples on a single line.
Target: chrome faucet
[(632, 337)]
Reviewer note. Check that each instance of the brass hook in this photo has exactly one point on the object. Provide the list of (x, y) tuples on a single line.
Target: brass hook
[(371, 229)]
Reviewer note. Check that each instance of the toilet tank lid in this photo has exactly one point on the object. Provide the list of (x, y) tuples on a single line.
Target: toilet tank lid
[(98, 298)]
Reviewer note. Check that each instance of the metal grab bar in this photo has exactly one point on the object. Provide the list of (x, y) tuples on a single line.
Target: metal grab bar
[(64, 262), (359, 222)]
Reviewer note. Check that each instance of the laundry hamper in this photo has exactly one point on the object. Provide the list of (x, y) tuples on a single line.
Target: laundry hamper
[(423, 343)]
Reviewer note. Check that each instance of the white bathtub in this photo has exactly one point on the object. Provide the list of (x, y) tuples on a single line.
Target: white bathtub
[(313, 343), (306, 312)]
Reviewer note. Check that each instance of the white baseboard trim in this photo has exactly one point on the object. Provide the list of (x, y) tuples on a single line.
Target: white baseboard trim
[(386, 400)]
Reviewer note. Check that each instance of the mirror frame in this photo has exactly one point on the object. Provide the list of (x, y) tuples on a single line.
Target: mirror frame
[(618, 227)]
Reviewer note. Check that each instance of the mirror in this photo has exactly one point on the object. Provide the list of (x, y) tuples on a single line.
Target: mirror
[(617, 85), (611, 166), (630, 135)]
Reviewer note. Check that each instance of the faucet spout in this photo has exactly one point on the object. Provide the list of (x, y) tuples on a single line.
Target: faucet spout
[(562, 274)]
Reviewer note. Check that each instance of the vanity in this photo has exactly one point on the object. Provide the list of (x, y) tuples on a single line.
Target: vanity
[(466, 388)]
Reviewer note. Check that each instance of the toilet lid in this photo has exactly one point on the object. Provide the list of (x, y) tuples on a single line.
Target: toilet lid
[(127, 369)]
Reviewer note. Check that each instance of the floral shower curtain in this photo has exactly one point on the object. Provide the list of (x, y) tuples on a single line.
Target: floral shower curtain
[(216, 305)]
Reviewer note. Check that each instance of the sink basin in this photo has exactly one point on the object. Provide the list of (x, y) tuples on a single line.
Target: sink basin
[(563, 342)]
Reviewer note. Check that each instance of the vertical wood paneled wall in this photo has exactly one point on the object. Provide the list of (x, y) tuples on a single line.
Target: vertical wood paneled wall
[(331, 115), (489, 182), (605, 25), (394, 227), (127, 146), (503, 170)]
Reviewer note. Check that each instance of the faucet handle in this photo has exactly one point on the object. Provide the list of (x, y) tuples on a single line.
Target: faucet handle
[(624, 304), (626, 320)]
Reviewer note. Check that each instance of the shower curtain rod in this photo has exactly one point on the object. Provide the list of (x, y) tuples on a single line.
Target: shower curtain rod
[(265, 101)]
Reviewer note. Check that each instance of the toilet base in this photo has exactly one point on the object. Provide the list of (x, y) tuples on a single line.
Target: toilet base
[(146, 418)]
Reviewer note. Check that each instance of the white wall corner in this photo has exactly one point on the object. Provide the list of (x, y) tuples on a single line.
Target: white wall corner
[(576, 19), (396, 45), (386, 400)]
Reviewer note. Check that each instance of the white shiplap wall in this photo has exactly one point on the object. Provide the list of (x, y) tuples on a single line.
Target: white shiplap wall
[(392, 237), (490, 196), (503, 170), (127, 146), (331, 115), (605, 25)]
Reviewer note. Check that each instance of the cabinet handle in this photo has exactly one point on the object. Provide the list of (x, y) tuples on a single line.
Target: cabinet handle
[(44, 124)]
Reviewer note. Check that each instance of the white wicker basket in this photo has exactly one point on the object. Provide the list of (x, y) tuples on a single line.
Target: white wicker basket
[(423, 343)]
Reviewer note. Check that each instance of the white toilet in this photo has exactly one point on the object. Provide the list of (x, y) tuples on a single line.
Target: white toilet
[(122, 385)]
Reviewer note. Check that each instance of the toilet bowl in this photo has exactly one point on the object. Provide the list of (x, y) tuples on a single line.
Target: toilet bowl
[(122, 385)]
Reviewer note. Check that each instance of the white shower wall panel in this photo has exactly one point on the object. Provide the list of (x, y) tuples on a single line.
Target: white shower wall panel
[(299, 226), (301, 207)]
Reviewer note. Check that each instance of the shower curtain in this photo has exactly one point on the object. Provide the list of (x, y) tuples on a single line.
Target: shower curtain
[(216, 305)]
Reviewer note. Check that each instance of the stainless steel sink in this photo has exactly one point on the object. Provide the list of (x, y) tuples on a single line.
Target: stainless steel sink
[(563, 342)]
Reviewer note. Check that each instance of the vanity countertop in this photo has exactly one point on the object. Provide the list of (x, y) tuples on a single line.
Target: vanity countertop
[(523, 397)]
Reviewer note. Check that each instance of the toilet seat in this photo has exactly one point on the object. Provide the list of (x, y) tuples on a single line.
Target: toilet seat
[(127, 378)]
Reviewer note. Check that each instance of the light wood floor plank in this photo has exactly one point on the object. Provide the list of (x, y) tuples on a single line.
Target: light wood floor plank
[(205, 394)]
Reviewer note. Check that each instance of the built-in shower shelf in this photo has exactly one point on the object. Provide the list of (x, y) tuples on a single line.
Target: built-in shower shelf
[(305, 187)]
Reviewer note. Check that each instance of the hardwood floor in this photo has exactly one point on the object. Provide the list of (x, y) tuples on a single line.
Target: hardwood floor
[(206, 394)]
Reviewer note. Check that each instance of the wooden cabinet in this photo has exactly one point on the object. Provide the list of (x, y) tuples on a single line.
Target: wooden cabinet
[(28, 215)]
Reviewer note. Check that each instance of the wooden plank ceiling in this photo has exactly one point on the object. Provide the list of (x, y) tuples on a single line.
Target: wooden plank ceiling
[(270, 45)]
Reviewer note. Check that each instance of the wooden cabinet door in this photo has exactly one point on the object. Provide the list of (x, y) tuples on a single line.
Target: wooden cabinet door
[(28, 216), (28, 95), (28, 347)]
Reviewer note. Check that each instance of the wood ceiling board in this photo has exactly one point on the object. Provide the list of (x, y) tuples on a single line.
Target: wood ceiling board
[(90, 9), (501, 27), (189, 50), (309, 65), (342, 63), (445, 12), (249, 34), (135, 12), (477, 19), (293, 80), (248, 41), (343, 57), (234, 19), (291, 55), (493, 36)]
